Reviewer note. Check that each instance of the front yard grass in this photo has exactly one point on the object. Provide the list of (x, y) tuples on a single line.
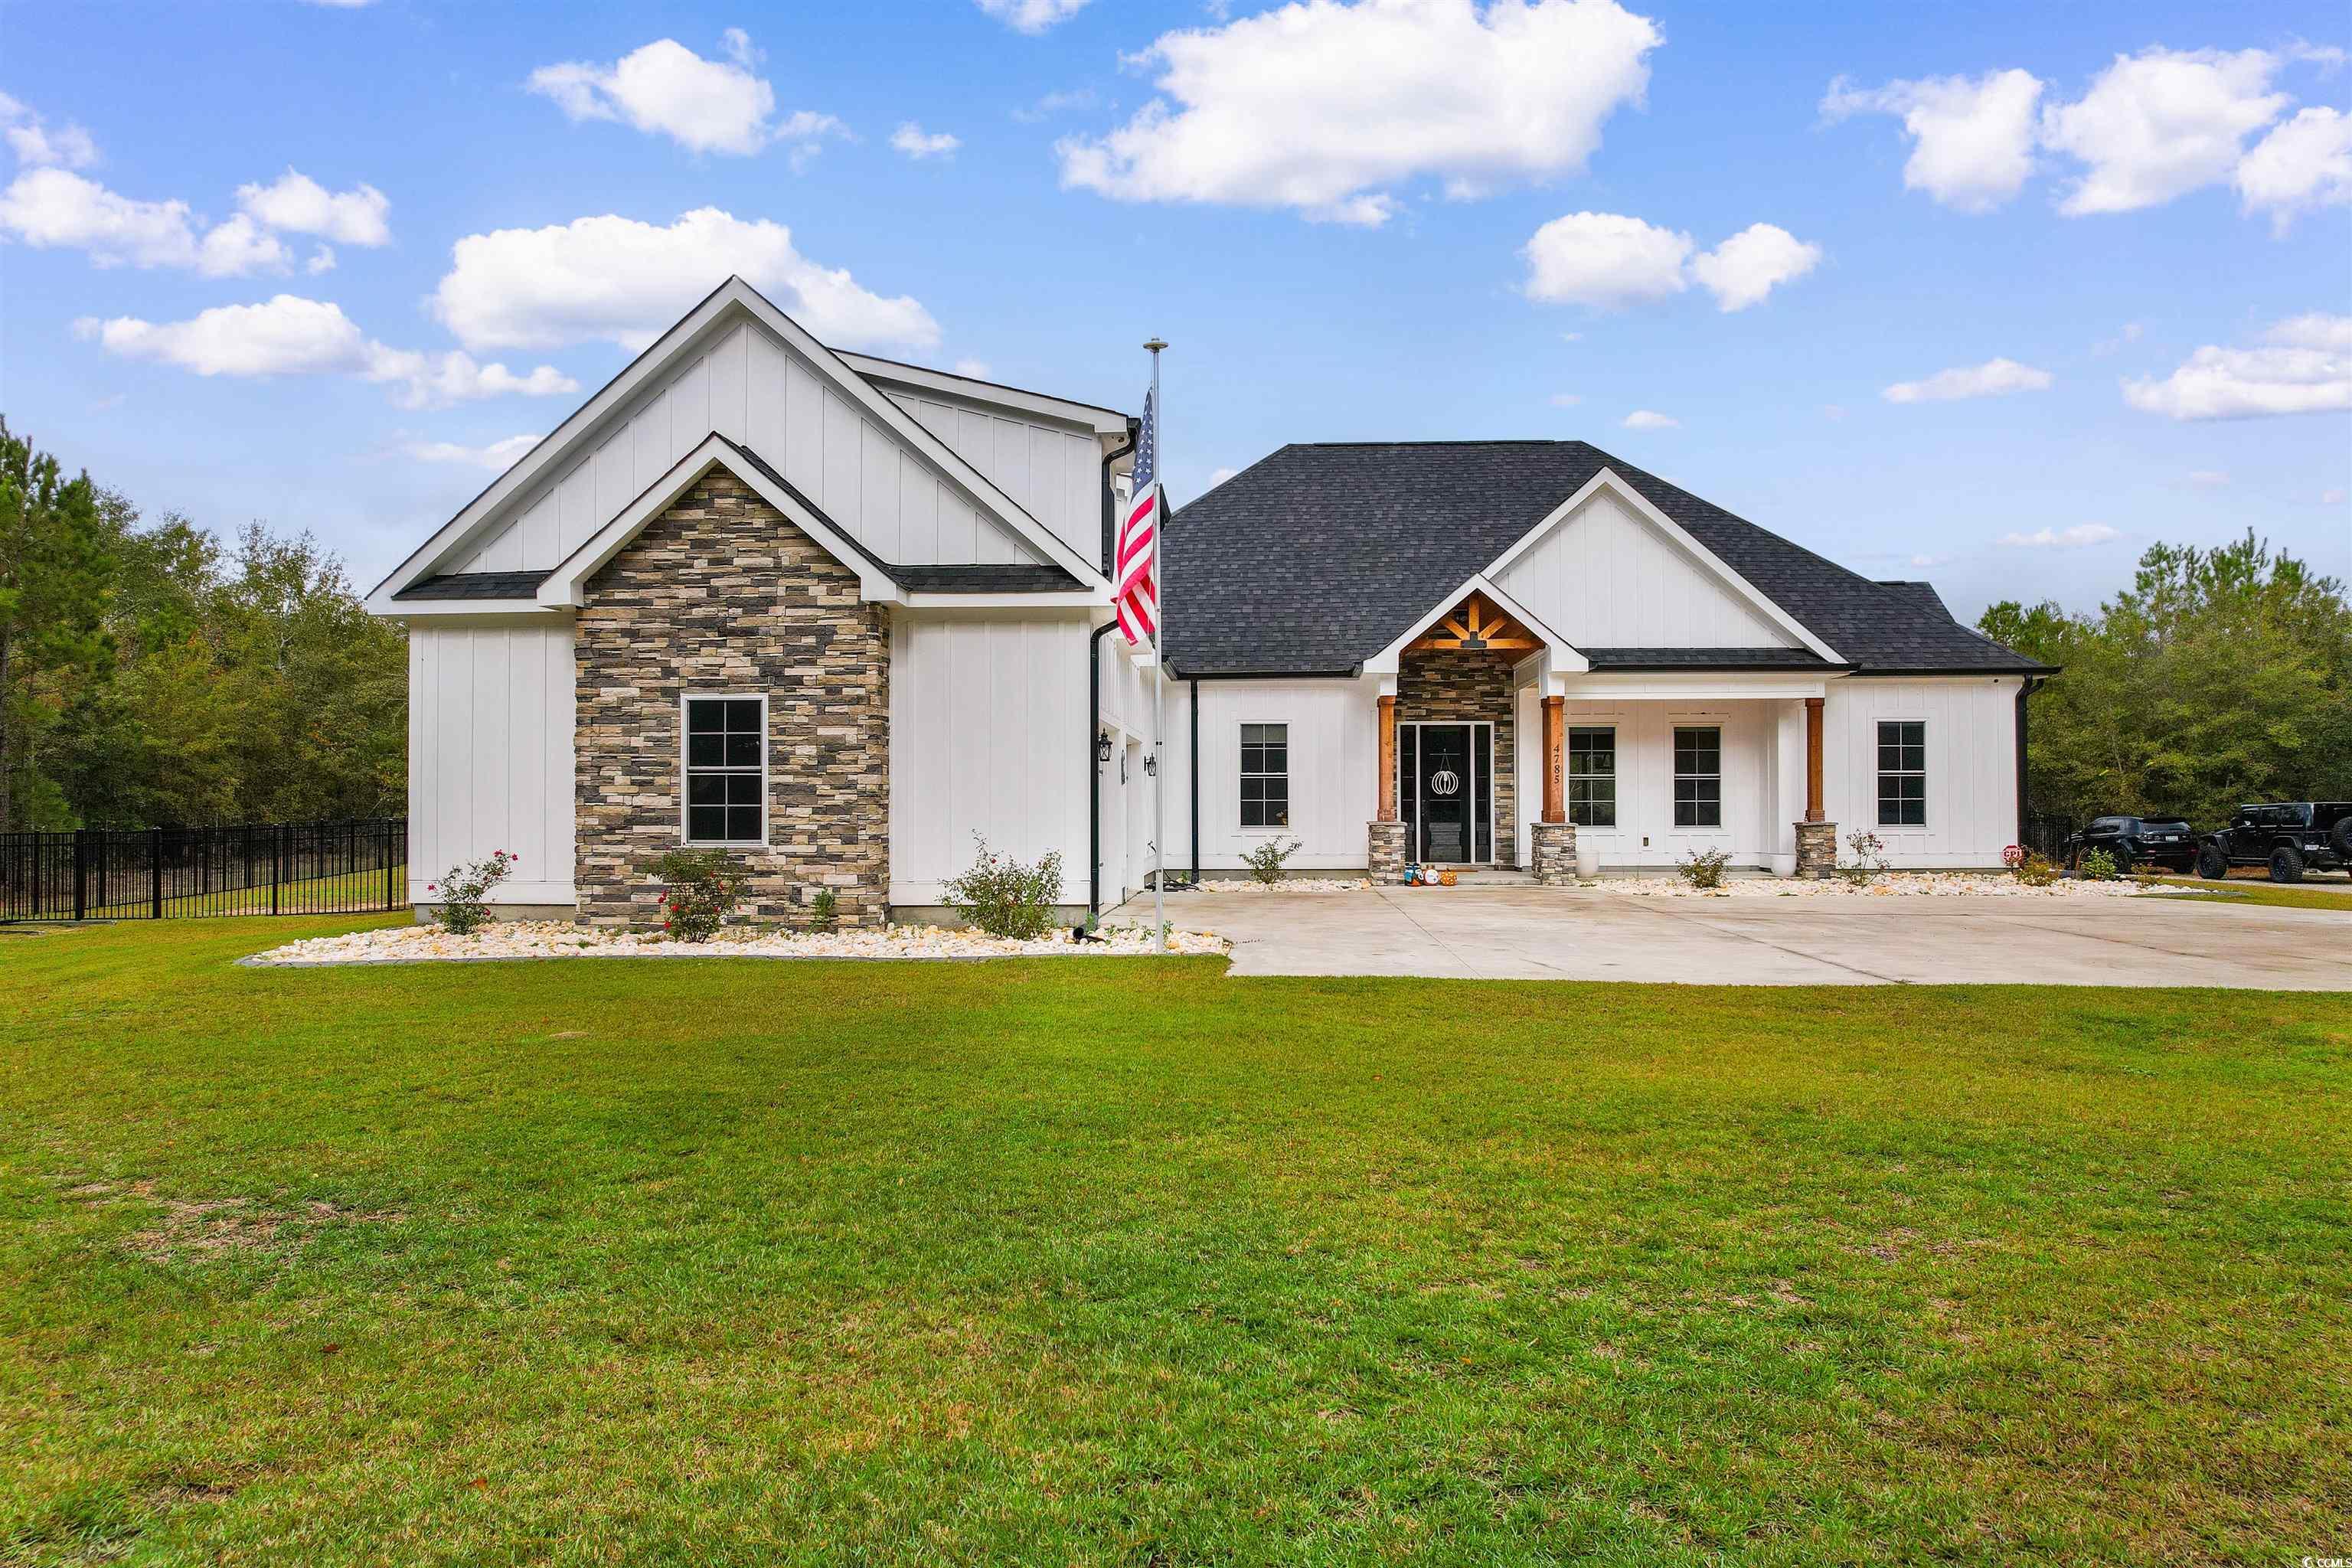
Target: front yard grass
[(2277, 896), (1126, 1262)]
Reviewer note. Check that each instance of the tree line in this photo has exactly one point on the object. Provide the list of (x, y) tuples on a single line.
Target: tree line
[(152, 674), (2219, 677)]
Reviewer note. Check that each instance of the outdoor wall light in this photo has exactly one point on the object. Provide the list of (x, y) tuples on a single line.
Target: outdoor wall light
[(1102, 747)]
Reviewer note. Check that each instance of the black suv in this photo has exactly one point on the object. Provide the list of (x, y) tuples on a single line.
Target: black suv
[(2290, 839), (2166, 841)]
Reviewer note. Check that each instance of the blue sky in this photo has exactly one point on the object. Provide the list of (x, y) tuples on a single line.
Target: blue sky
[(2103, 282)]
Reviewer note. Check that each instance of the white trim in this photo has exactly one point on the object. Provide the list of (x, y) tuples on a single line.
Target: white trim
[(1675, 775), (685, 835), (1100, 420), (471, 609), (567, 584), (1719, 685), (1607, 479), (1928, 794), (730, 299), (1558, 656), (1241, 771)]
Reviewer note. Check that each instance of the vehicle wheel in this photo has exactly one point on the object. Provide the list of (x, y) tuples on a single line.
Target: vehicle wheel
[(2123, 861), (2340, 836), (2211, 864), (2286, 864)]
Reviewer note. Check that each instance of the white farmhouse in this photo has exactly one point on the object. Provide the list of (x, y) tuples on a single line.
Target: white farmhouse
[(843, 616)]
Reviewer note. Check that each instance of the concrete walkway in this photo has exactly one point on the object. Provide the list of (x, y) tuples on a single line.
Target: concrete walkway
[(1538, 933)]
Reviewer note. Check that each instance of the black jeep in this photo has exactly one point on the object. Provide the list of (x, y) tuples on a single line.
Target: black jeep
[(2290, 839), (2131, 841)]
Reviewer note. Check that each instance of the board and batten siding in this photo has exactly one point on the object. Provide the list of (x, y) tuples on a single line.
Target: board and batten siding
[(988, 736), (1971, 735), (1606, 578), (1054, 471), (748, 385), (1334, 752), (491, 713), (1646, 833)]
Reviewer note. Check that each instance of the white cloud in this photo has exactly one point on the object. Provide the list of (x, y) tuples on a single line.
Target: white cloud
[(296, 204), (975, 368), (2305, 165), (1221, 476), (321, 261), (915, 143), (2304, 368), (1055, 103), (1989, 379), (497, 457), (53, 208), (1833, 410), (705, 106), (1931, 560), (1565, 399), (1323, 107), (2129, 333), (37, 143), (1608, 260), (619, 280), (2331, 498), (2080, 536), (1649, 419), (2160, 123), (288, 335), (1971, 138), (2208, 478), (1604, 259), (1032, 15), (1749, 264)]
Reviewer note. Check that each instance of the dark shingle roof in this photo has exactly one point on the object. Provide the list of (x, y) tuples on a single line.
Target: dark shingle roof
[(1318, 556), (475, 585), (1045, 578), (1705, 658)]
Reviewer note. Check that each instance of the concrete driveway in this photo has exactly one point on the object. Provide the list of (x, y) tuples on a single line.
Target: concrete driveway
[(1539, 933)]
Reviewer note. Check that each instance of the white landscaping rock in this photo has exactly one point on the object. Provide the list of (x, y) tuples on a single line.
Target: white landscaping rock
[(1887, 885), (550, 939)]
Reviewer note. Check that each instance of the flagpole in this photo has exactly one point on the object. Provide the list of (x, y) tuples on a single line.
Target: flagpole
[(1159, 664)]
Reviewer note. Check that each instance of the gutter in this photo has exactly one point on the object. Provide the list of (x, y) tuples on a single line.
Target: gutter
[(1093, 691), (2025, 688), (1192, 766)]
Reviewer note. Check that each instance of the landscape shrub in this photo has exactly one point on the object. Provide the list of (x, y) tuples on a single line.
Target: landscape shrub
[(700, 888), (465, 890), (825, 910), (1704, 870), (1265, 861), (1869, 857), (2098, 866), (1005, 898)]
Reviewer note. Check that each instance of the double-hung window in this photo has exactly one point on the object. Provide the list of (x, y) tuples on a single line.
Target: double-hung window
[(1902, 773), (1266, 775), (1698, 775), (726, 770), (1592, 776)]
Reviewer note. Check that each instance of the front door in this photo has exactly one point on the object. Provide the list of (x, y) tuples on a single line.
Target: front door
[(1443, 774)]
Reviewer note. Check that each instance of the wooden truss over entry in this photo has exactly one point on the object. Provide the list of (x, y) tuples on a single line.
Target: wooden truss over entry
[(1472, 625)]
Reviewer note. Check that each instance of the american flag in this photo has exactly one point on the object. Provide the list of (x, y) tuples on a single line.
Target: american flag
[(1135, 577)]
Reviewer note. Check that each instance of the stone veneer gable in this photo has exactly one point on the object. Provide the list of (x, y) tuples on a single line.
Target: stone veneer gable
[(724, 594)]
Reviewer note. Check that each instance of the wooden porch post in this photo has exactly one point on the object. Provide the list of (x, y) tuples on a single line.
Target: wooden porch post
[(1555, 764), (1813, 759), (1388, 760)]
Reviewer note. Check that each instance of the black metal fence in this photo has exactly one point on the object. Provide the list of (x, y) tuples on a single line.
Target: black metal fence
[(166, 873), (2047, 836)]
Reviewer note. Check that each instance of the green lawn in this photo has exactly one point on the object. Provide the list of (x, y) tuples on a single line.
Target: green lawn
[(2334, 893), (1126, 1262)]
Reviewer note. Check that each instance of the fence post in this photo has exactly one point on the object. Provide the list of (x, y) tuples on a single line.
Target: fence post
[(81, 865), (156, 873), (383, 837), (277, 863)]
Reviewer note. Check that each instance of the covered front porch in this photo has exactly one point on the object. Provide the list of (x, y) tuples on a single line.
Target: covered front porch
[(1499, 744)]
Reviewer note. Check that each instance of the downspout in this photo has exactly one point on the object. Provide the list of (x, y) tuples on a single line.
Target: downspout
[(2025, 689), (1094, 690), (1193, 765)]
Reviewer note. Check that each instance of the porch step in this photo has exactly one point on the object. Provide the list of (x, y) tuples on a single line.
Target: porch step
[(1495, 878)]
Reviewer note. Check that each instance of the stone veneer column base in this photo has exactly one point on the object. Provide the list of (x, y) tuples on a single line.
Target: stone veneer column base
[(1554, 853), (1816, 849), (1384, 852)]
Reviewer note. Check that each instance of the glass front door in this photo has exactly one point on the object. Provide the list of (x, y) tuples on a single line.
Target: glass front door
[(1445, 792)]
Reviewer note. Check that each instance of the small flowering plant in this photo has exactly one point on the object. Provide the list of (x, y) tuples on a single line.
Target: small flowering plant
[(700, 888), (1005, 898), (464, 891)]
